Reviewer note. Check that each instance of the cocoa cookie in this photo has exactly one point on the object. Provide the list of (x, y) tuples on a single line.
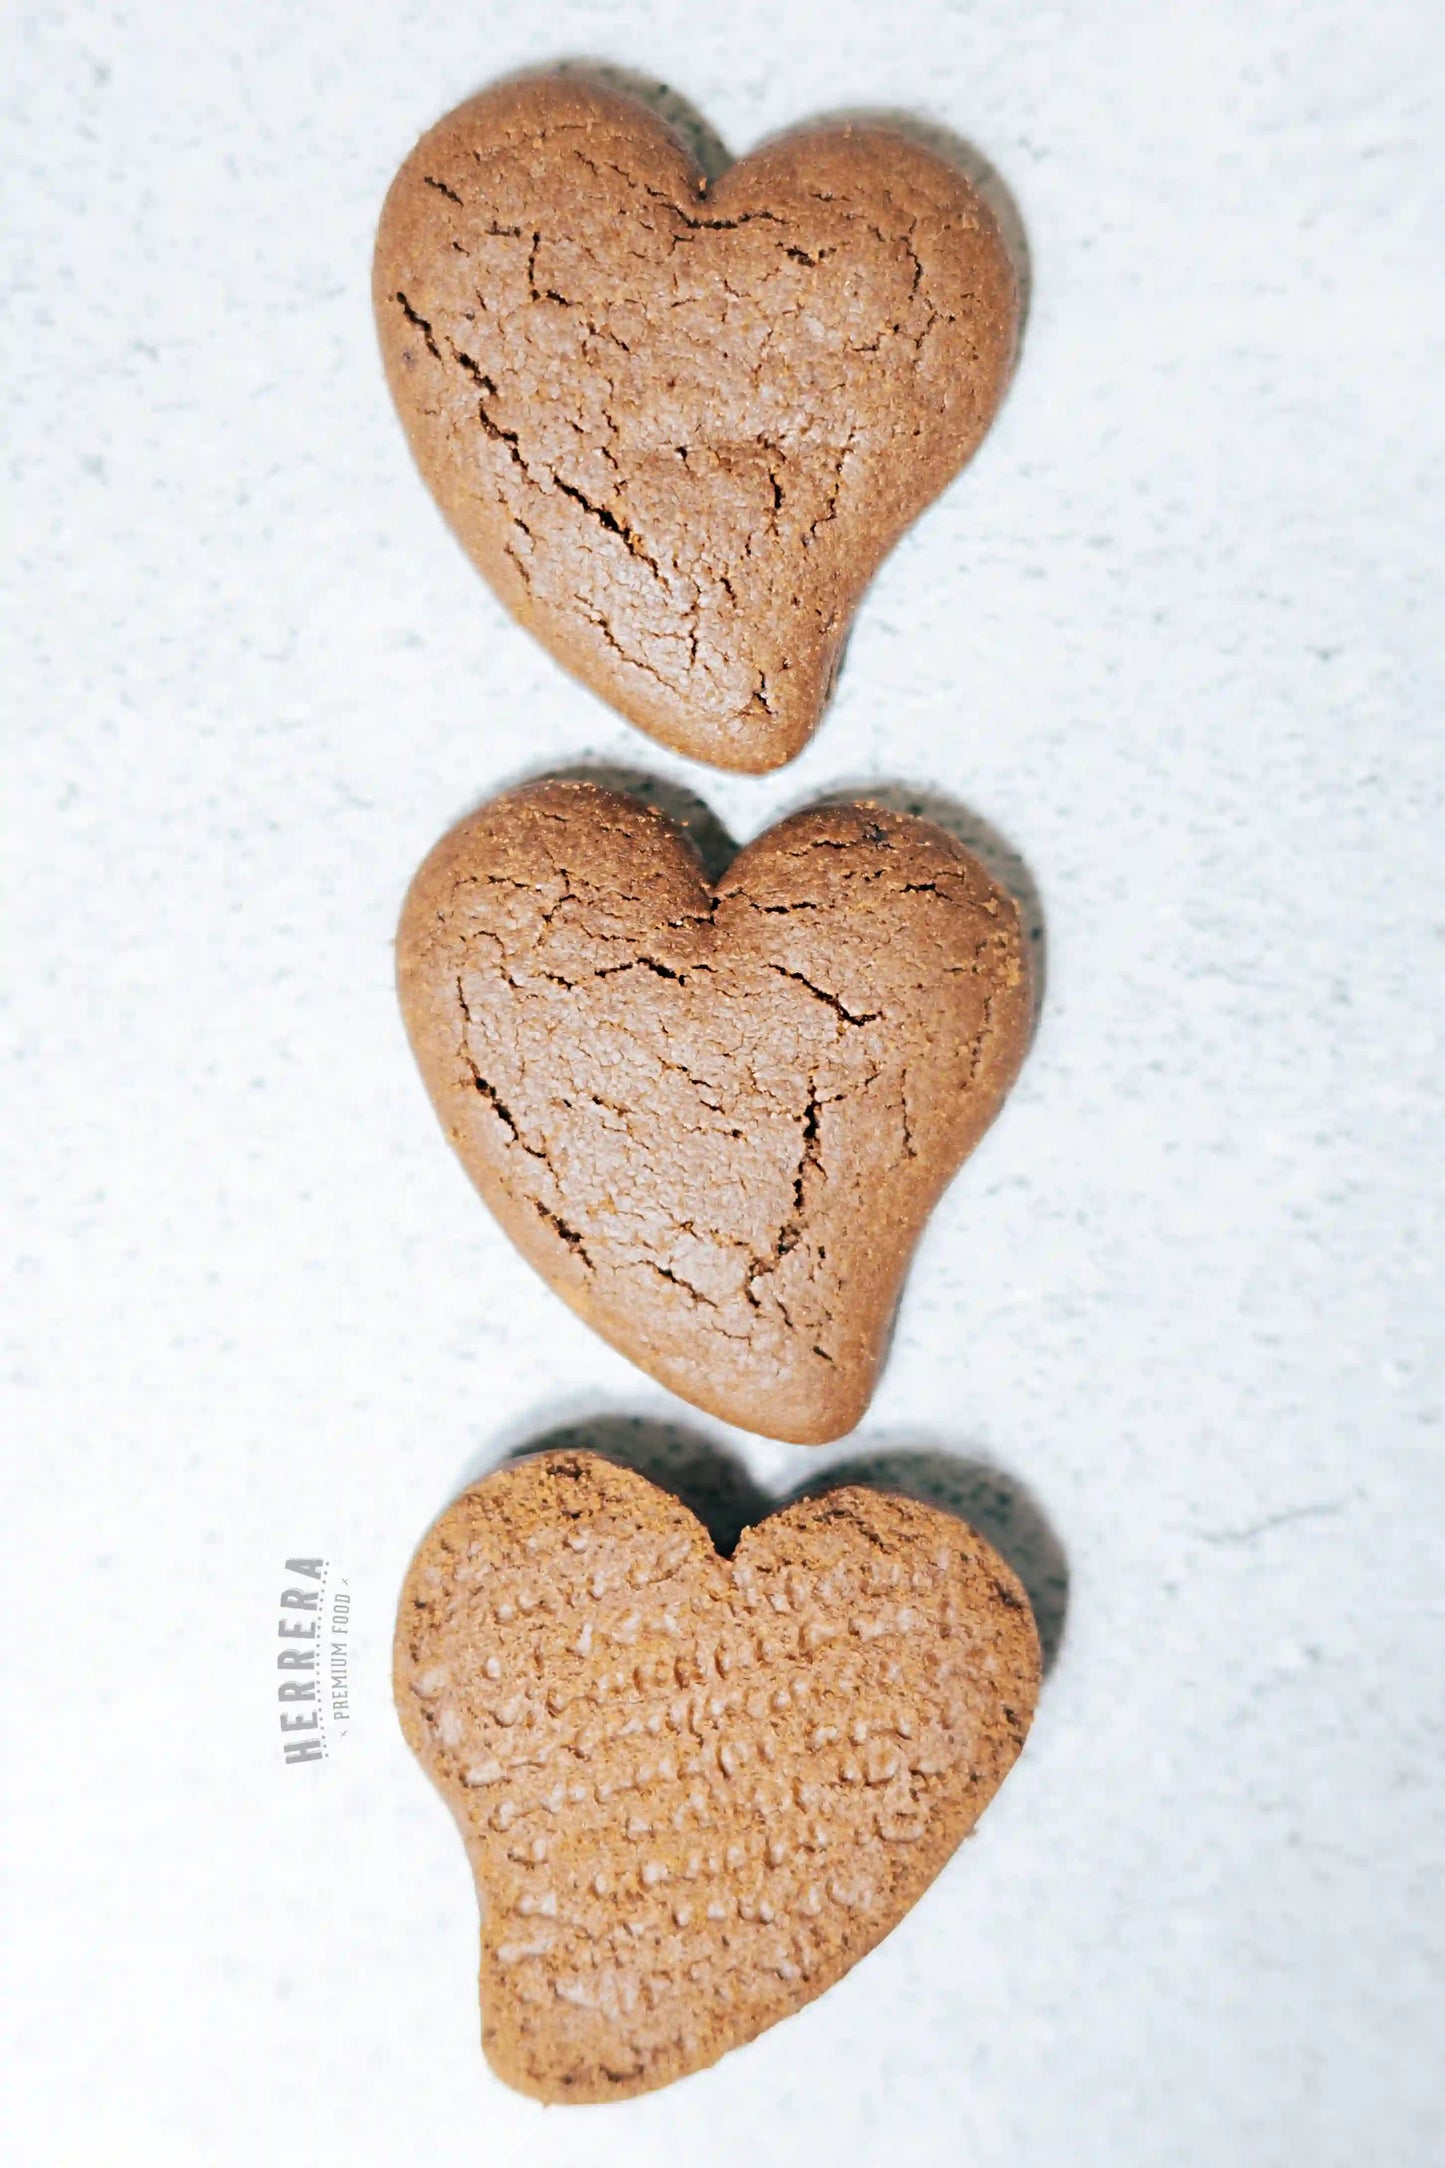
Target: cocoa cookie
[(715, 1119), (678, 424), (695, 1791)]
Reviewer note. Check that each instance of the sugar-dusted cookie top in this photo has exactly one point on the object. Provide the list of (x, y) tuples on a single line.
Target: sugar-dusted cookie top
[(695, 1791), (677, 424), (715, 1119)]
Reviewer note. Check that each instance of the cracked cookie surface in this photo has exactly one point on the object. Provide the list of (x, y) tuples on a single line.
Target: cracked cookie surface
[(695, 1791), (715, 1118), (678, 424)]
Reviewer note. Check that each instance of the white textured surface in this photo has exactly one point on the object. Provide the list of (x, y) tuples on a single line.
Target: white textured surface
[(1172, 635)]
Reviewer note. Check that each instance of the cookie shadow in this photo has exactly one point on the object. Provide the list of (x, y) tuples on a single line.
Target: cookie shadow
[(988, 844), (713, 1483)]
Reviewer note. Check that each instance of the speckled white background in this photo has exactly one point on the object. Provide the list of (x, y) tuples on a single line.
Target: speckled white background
[(1172, 634)]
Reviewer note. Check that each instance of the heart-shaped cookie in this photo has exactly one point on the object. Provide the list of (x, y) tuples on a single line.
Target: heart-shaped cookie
[(716, 1120), (695, 1791), (678, 425)]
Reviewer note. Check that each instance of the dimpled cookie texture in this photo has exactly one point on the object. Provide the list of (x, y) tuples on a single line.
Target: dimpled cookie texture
[(677, 425), (715, 1119), (695, 1791)]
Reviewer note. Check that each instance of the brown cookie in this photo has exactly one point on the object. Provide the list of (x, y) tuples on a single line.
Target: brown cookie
[(715, 1120), (676, 424), (695, 1791)]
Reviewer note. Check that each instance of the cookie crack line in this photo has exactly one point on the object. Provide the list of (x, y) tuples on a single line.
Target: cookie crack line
[(511, 438), (420, 324), (820, 993), (567, 1234), (790, 1232), (487, 1090)]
